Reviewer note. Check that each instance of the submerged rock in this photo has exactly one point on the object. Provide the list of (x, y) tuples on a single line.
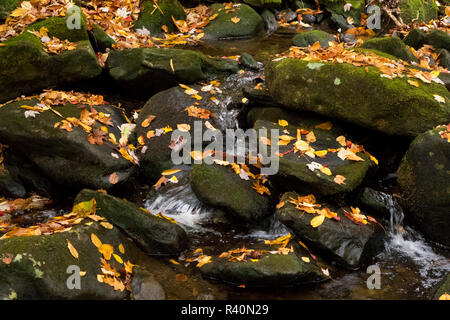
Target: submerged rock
[(26, 68), (245, 24), (310, 37), (67, 158), (156, 235), (342, 241), (146, 71), (145, 287), (424, 177), (222, 188), (361, 97)]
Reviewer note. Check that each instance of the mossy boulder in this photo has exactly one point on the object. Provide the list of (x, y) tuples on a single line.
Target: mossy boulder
[(438, 39), (220, 187), (222, 27), (353, 94), (39, 264), (416, 38), (156, 235), (67, 158), (424, 177), (146, 71), (341, 241), (100, 39), (293, 168), (26, 68), (391, 45), (444, 59), (154, 16), (308, 38), (6, 7), (169, 109), (272, 270), (418, 10), (337, 6)]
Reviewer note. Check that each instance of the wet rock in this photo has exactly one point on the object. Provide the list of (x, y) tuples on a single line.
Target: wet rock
[(39, 264), (340, 22), (444, 59), (391, 45), (67, 158), (242, 202), (100, 39), (416, 38), (310, 37), (294, 171), (26, 68), (146, 71), (169, 109), (144, 286), (222, 27), (10, 187), (249, 62), (378, 202), (309, 18), (259, 97), (153, 20), (424, 177), (307, 86), (155, 235), (272, 270), (270, 20), (335, 291), (6, 7), (287, 15), (337, 7), (341, 241), (348, 38), (442, 288)]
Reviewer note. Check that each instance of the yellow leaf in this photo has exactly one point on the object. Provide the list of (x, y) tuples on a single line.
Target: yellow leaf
[(106, 225), (413, 83), (235, 20), (72, 249), (204, 260), (342, 141), (160, 215), (121, 249), (445, 296), (283, 123), (174, 262), (183, 127), (85, 208), (96, 241), (324, 126), (197, 155), (170, 172), (106, 250), (118, 258), (321, 153), (326, 170), (317, 221), (306, 259)]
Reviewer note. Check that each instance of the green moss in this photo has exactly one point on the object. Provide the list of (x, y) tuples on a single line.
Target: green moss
[(102, 40), (363, 98), (6, 7), (310, 37), (337, 6), (416, 38), (264, 3), (153, 19), (418, 10), (438, 39), (223, 28), (391, 45)]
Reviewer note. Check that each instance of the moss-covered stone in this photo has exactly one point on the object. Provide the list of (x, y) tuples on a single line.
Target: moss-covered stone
[(39, 266), (156, 235), (153, 17), (444, 59), (100, 39), (223, 27), (391, 45), (438, 39), (65, 157), (293, 169), (416, 38), (310, 37), (418, 10), (442, 288), (337, 6), (6, 7), (211, 184), (341, 241), (272, 270), (145, 71), (26, 68), (424, 177), (362, 97)]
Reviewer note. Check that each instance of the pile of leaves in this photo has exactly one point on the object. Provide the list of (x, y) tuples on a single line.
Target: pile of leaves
[(445, 133), (390, 69), (53, 45)]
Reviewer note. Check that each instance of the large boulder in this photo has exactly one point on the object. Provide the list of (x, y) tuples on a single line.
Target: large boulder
[(391, 45), (154, 16), (36, 267), (308, 38), (294, 170), (416, 38), (271, 270), (9, 186), (146, 71), (342, 241), (67, 158), (26, 68), (209, 183), (302, 85), (424, 177), (169, 109), (233, 22), (156, 235)]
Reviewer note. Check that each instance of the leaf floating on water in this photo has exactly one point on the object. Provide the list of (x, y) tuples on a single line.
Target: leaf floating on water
[(160, 215)]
